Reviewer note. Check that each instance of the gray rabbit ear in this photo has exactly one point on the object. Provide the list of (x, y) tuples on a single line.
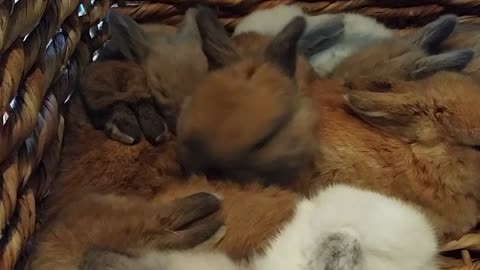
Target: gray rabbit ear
[(216, 43), (455, 60), (322, 36), (436, 32), (342, 251), (128, 36), (282, 51), (188, 27)]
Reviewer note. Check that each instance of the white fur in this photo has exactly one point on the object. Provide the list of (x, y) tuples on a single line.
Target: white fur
[(268, 21), (185, 260), (359, 32), (390, 235)]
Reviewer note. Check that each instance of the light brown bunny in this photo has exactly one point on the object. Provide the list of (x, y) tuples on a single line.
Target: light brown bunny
[(249, 117), (140, 90), (407, 58)]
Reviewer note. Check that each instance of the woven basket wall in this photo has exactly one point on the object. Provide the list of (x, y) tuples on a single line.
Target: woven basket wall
[(44, 46)]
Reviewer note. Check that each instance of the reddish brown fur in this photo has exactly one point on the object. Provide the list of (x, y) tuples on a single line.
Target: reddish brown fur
[(418, 146), (122, 223), (251, 213), (434, 171), (349, 148)]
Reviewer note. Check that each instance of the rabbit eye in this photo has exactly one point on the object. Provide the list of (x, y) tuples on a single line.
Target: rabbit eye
[(380, 86), (476, 147)]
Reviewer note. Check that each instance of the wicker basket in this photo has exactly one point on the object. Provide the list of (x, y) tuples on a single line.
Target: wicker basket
[(46, 43)]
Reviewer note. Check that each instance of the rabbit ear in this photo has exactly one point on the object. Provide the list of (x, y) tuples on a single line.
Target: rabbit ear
[(216, 44), (282, 51), (436, 32), (188, 26), (394, 112), (128, 36), (100, 259), (455, 60), (322, 36), (343, 252)]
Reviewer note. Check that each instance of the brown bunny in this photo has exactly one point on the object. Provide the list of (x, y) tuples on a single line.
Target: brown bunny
[(122, 223), (251, 116), (141, 90), (407, 58)]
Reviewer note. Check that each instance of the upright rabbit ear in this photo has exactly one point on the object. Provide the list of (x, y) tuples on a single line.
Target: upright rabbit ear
[(436, 32), (322, 36), (282, 51), (455, 60), (394, 112), (188, 27), (216, 44), (128, 36), (342, 251)]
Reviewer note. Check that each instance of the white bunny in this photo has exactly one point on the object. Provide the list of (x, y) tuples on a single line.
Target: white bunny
[(341, 228), (347, 228), (358, 32)]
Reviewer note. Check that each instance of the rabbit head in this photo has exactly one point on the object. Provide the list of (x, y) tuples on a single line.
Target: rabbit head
[(173, 63), (406, 59), (247, 117), (438, 116)]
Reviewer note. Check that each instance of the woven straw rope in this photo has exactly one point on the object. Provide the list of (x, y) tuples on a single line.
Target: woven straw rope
[(44, 44), (394, 13)]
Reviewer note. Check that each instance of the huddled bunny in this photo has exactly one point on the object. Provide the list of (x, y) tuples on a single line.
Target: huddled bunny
[(340, 228)]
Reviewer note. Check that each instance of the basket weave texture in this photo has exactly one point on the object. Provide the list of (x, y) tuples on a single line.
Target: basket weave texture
[(43, 44), (394, 13)]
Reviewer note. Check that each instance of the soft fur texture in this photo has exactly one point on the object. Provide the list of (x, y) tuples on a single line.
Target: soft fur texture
[(405, 58), (341, 228), (149, 176), (342, 54), (417, 142), (465, 36), (359, 32), (123, 223), (141, 81)]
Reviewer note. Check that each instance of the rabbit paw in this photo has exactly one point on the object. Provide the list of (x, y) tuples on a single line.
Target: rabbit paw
[(214, 240), (122, 125), (153, 124), (181, 212)]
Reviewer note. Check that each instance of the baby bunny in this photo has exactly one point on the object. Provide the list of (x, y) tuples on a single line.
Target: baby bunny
[(341, 228), (358, 32), (135, 92), (249, 86), (404, 58), (417, 142), (124, 222)]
